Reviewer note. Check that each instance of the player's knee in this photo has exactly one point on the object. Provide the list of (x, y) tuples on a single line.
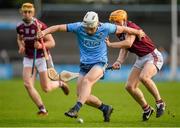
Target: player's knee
[(46, 89), (143, 78), (129, 87), (86, 80), (28, 85)]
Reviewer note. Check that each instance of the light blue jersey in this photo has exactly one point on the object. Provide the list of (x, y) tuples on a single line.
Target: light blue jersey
[(93, 48)]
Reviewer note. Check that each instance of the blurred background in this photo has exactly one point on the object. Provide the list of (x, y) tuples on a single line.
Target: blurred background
[(158, 18)]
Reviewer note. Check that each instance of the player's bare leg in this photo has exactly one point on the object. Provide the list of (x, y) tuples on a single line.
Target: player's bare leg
[(95, 102), (146, 75), (136, 93), (29, 85), (48, 85), (132, 87), (85, 84), (92, 100)]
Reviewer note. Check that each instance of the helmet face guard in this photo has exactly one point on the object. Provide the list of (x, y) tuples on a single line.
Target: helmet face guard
[(118, 16), (90, 20), (90, 25)]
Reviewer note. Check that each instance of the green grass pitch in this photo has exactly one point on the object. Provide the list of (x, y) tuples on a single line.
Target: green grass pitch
[(17, 109)]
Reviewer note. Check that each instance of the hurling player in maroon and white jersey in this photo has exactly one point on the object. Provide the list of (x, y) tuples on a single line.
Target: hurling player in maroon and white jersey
[(26, 38), (149, 61)]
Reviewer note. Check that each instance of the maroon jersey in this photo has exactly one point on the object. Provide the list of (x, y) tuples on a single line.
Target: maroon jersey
[(140, 48), (29, 31)]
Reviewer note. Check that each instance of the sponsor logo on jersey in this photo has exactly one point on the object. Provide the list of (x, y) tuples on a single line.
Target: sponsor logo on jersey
[(91, 43)]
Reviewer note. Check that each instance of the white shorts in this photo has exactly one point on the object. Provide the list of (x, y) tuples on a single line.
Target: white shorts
[(40, 63), (154, 57)]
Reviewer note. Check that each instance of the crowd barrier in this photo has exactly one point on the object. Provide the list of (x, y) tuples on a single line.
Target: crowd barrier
[(7, 72)]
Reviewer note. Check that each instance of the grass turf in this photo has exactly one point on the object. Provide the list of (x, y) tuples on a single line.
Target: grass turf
[(17, 109)]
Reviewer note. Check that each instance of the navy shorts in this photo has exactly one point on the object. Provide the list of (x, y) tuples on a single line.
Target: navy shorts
[(85, 68)]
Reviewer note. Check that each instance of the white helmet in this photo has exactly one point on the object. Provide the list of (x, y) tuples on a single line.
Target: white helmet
[(90, 20)]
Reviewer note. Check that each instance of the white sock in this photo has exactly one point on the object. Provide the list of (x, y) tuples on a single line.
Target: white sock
[(43, 110), (159, 104)]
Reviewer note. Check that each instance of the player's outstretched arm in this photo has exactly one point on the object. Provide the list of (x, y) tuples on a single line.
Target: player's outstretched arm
[(48, 42), (52, 29), (123, 29), (127, 43)]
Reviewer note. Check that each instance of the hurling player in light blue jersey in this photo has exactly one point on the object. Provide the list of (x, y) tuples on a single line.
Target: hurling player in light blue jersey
[(91, 45), (91, 35)]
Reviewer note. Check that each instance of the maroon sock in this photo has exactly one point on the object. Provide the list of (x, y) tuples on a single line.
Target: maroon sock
[(159, 101), (146, 107)]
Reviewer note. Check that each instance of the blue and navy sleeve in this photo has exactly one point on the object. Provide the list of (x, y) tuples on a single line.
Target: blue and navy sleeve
[(73, 27), (111, 28)]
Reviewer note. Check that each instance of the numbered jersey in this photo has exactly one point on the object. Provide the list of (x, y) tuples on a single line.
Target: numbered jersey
[(28, 32)]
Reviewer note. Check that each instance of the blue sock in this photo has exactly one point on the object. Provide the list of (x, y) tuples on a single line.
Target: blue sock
[(103, 107), (77, 106)]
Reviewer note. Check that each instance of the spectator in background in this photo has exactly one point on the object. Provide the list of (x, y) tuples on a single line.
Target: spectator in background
[(4, 57)]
